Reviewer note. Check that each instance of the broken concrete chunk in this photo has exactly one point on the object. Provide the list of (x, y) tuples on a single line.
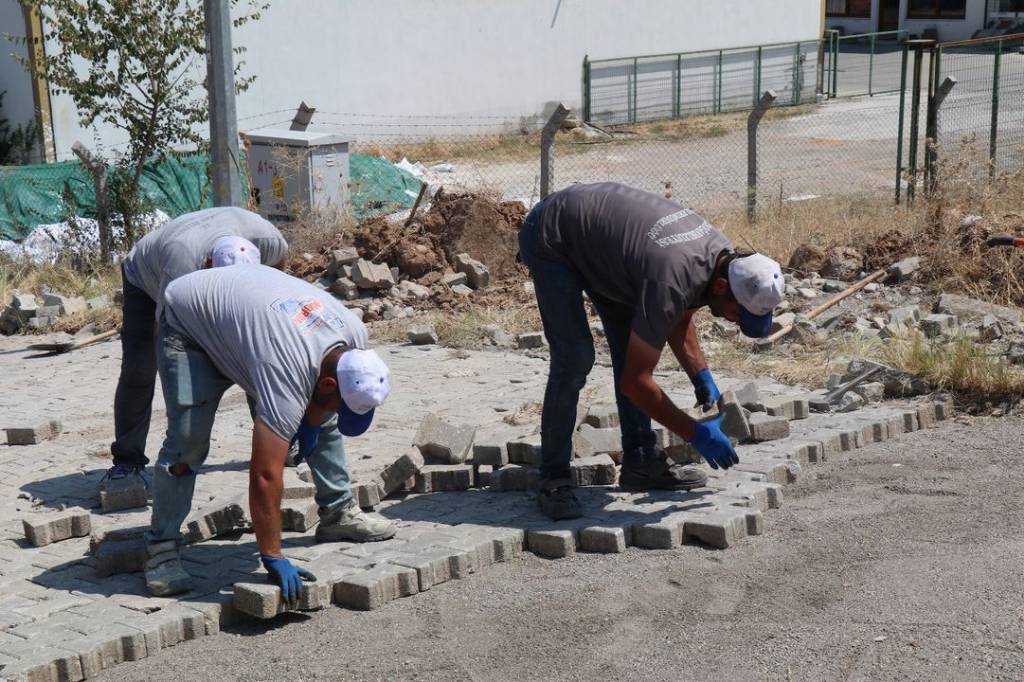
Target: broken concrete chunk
[(440, 440), (454, 279), (476, 272), (44, 529), (344, 288), (65, 305), (904, 269), (367, 275), (973, 310), (422, 335), (122, 550), (33, 435)]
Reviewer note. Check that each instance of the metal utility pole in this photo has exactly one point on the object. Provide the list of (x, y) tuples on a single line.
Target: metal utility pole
[(224, 158)]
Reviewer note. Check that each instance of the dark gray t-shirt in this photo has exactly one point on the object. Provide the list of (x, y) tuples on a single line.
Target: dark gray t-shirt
[(183, 245), (634, 248), (264, 330)]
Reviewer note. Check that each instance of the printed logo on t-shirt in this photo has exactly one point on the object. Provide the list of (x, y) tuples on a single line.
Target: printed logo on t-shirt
[(699, 232), (308, 315)]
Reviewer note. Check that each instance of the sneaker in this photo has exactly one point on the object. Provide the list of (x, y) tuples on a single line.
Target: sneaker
[(353, 524), (122, 472), (164, 573), (659, 473), (557, 499)]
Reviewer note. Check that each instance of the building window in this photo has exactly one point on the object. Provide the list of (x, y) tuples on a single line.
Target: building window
[(1009, 6), (849, 8), (937, 9)]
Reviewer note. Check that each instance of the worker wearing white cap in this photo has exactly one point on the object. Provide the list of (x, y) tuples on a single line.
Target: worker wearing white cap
[(212, 237), (646, 264), (302, 359)]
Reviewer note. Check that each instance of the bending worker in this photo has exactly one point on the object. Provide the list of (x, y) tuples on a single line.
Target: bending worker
[(647, 264), (301, 357), (208, 238)]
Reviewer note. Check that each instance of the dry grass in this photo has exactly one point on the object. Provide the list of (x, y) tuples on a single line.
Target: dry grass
[(465, 328), (87, 279)]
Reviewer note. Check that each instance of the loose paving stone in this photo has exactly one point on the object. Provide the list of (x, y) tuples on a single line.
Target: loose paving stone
[(604, 540), (789, 407), (589, 441), (553, 544), (122, 493), (33, 435), (596, 470), (373, 588), (369, 275), (422, 335), (513, 478), (120, 551), (435, 566), (476, 272), (263, 600), (433, 478), (938, 324), (294, 487), (530, 340), (602, 416), (454, 279), (525, 450), (720, 528), (749, 397), (490, 452), (734, 422), (299, 515), (764, 427), (443, 441), (367, 494), (401, 470), (223, 515), (44, 529)]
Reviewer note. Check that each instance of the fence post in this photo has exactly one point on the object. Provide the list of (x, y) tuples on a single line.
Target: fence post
[(797, 76), (915, 115), (835, 63), (757, 76), (547, 149), (992, 141), (871, 67), (932, 135), (899, 134), (767, 99), (718, 86), (636, 77), (586, 87)]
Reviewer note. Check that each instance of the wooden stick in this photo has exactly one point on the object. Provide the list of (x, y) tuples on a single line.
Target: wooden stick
[(419, 198), (65, 346), (845, 293)]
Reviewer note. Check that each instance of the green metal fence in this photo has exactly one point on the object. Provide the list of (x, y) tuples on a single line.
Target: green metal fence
[(864, 63), (653, 87)]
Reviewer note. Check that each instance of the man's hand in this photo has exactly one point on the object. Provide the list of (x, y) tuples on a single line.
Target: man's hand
[(705, 390), (288, 576), (714, 445), (307, 437)]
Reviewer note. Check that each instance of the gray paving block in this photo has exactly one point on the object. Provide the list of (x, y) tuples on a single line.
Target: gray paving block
[(367, 494), (553, 544), (719, 528), (123, 552), (299, 515), (263, 600), (223, 515), (443, 441), (596, 470), (433, 478), (588, 441), (422, 335), (749, 397), (435, 566), (370, 589), (788, 406), (514, 478), (401, 470), (666, 533), (734, 422), (603, 539), (525, 450), (602, 416), (294, 487), (926, 416), (43, 529), (528, 340), (476, 272), (35, 434), (910, 422), (491, 453), (124, 493), (755, 522), (944, 409), (764, 427)]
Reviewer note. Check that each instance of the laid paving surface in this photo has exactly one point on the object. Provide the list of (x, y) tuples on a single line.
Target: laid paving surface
[(59, 620)]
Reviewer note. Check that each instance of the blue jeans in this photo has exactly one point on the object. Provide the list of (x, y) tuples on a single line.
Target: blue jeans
[(559, 289), (133, 400), (193, 387)]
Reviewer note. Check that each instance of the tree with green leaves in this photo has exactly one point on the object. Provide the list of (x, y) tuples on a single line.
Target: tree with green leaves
[(139, 66)]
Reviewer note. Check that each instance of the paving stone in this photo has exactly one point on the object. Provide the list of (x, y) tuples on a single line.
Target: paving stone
[(764, 427), (530, 340), (454, 279), (666, 533), (790, 407), (490, 452), (434, 478), (263, 600), (926, 416), (369, 275), (370, 589), (850, 402), (719, 528), (775, 470), (553, 544), (422, 335), (871, 391), (227, 514), (476, 272), (589, 441), (910, 423), (525, 450), (299, 515), (435, 566), (754, 522), (120, 552), (734, 422), (944, 410), (596, 470), (367, 494), (344, 288), (604, 540), (749, 397), (33, 435), (754, 496), (602, 416), (295, 488), (851, 439), (443, 441), (44, 529), (401, 470), (514, 478), (124, 493)]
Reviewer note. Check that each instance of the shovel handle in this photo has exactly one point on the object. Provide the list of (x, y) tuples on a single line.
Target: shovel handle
[(1005, 240)]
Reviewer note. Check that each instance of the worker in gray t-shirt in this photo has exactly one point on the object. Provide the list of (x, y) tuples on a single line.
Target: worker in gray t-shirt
[(302, 359), (646, 264), (181, 246)]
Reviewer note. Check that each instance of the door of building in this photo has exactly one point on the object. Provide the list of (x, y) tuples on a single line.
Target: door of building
[(888, 15)]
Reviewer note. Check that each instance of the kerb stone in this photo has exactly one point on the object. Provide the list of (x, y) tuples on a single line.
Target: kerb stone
[(373, 588), (553, 544)]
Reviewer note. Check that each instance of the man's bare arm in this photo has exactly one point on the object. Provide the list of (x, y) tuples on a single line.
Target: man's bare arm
[(266, 483), (685, 344), (639, 386)]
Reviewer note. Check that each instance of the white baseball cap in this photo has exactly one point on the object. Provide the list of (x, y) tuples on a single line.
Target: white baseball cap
[(364, 382), (234, 250), (757, 283)]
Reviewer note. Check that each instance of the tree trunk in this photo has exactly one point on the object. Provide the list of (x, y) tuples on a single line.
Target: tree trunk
[(98, 170)]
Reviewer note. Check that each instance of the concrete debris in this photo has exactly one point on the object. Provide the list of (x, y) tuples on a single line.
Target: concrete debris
[(477, 274), (850, 402), (367, 275), (443, 441), (408, 289), (938, 324), (461, 290), (530, 340), (422, 335), (454, 279), (904, 269), (972, 310)]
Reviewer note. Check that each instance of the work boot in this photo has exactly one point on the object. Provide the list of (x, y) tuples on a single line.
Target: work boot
[(557, 499), (164, 573), (353, 524), (121, 474), (658, 472)]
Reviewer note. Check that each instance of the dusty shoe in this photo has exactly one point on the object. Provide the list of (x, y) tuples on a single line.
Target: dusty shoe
[(122, 475), (557, 499), (658, 473), (164, 573), (353, 524)]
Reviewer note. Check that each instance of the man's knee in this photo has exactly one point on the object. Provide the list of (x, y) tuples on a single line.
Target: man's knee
[(573, 363)]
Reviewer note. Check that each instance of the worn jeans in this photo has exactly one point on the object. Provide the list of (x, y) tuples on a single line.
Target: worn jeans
[(133, 400), (559, 289), (193, 387)]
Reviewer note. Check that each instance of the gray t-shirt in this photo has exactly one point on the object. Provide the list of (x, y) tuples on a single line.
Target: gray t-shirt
[(183, 245), (266, 331), (634, 248)]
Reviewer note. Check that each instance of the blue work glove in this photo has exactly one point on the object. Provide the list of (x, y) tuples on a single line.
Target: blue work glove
[(705, 390), (307, 437), (287, 575), (714, 445)]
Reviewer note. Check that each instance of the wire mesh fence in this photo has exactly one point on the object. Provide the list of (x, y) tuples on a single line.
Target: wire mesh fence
[(864, 64)]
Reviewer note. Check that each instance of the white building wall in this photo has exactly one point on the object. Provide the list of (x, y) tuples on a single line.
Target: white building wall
[(464, 58)]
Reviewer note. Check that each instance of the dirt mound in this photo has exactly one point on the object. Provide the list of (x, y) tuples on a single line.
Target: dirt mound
[(807, 258), (408, 248), (842, 263), (887, 249)]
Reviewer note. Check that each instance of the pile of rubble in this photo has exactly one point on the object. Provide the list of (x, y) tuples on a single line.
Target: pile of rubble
[(25, 311)]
